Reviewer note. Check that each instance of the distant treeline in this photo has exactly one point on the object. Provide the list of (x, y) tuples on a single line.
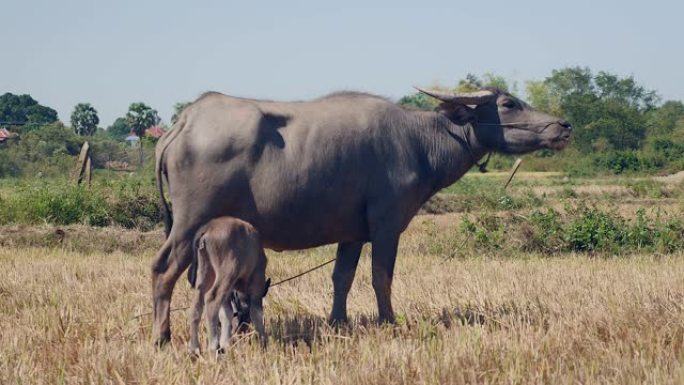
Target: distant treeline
[(619, 126)]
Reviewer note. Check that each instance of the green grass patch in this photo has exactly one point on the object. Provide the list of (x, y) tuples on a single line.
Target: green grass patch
[(130, 203)]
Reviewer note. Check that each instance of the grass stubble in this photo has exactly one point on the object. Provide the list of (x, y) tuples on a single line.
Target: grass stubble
[(68, 317)]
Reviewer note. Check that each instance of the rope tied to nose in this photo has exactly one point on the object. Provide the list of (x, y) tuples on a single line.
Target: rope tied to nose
[(481, 166), (304, 272), (240, 311), (468, 129), (234, 299)]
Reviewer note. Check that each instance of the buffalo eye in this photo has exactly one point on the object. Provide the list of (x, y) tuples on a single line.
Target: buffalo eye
[(508, 104)]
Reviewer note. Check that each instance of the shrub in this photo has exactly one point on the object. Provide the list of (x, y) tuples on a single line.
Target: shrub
[(617, 162), (648, 188), (54, 203), (592, 230), (131, 204), (580, 229), (487, 233)]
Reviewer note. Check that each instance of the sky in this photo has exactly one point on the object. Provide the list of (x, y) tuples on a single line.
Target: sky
[(113, 53)]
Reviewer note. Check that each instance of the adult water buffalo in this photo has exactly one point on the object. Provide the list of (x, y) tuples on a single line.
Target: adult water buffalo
[(347, 168)]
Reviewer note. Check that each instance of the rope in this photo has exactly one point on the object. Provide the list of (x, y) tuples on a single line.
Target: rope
[(149, 313), (304, 273), (274, 284), (514, 124), (482, 166)]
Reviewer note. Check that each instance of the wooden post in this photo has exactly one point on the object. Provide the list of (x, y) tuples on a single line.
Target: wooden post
[(515, 168), (88, 170), (84, 164)]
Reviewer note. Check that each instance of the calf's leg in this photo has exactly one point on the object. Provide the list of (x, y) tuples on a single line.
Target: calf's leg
[(214, 299), (195, 318), (256, 291), (226, 318), (256, 313)]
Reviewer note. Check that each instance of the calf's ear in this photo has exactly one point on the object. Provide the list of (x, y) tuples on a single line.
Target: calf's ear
[(192, 271), (266, 286)]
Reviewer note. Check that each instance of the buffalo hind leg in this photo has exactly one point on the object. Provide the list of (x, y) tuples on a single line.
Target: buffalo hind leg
[(169, 264), (384, 256), (161, 331), (343, 276)]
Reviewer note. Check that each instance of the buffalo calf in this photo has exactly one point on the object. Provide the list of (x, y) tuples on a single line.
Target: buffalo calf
[(228, 256)]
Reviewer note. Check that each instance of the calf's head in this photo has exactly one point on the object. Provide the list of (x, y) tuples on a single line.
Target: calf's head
[(502, 122)]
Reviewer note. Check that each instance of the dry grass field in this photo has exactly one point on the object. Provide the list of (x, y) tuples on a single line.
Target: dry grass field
[(69, 317)]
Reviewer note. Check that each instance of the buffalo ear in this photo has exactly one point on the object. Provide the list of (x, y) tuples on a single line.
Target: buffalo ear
[(457, 113)]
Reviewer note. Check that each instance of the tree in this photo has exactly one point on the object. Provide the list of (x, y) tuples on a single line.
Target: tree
[(84, 119), (473, 83), (540, 96), (140, 117), (664, 119), (178, 107), (418, 101), (470, 83), (119, 129), (604, 109), (24, 111)]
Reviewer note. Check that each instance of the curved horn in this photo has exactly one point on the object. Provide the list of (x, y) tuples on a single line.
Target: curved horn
[(468, 98)]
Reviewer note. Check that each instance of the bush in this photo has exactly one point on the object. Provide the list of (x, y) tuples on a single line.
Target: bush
[(592, 230), (618, 161), (59, 204), (580, 229), (648, 188), (104, 149), (131, 204), (8, 166), (488, 233)]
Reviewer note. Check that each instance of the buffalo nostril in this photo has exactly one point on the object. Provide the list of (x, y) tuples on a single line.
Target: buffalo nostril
[(565, 124)]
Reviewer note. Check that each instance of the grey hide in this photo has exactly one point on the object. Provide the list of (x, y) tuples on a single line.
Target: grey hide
[(347, 168)]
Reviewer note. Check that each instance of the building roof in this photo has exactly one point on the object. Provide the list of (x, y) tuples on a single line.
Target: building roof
[(6, 134), (155, 131)]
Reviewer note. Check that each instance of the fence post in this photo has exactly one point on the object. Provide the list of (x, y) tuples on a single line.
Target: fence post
[(84, 165), (515, 168), (88, 170)]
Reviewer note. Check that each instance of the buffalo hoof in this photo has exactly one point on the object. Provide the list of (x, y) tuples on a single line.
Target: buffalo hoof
[(338, 322), (194, 352), (220, 352), (162, 341), (387, 320)]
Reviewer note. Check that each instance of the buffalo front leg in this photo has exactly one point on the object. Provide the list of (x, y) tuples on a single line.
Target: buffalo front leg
[(343, 276), (384, 256), (171, 261)]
